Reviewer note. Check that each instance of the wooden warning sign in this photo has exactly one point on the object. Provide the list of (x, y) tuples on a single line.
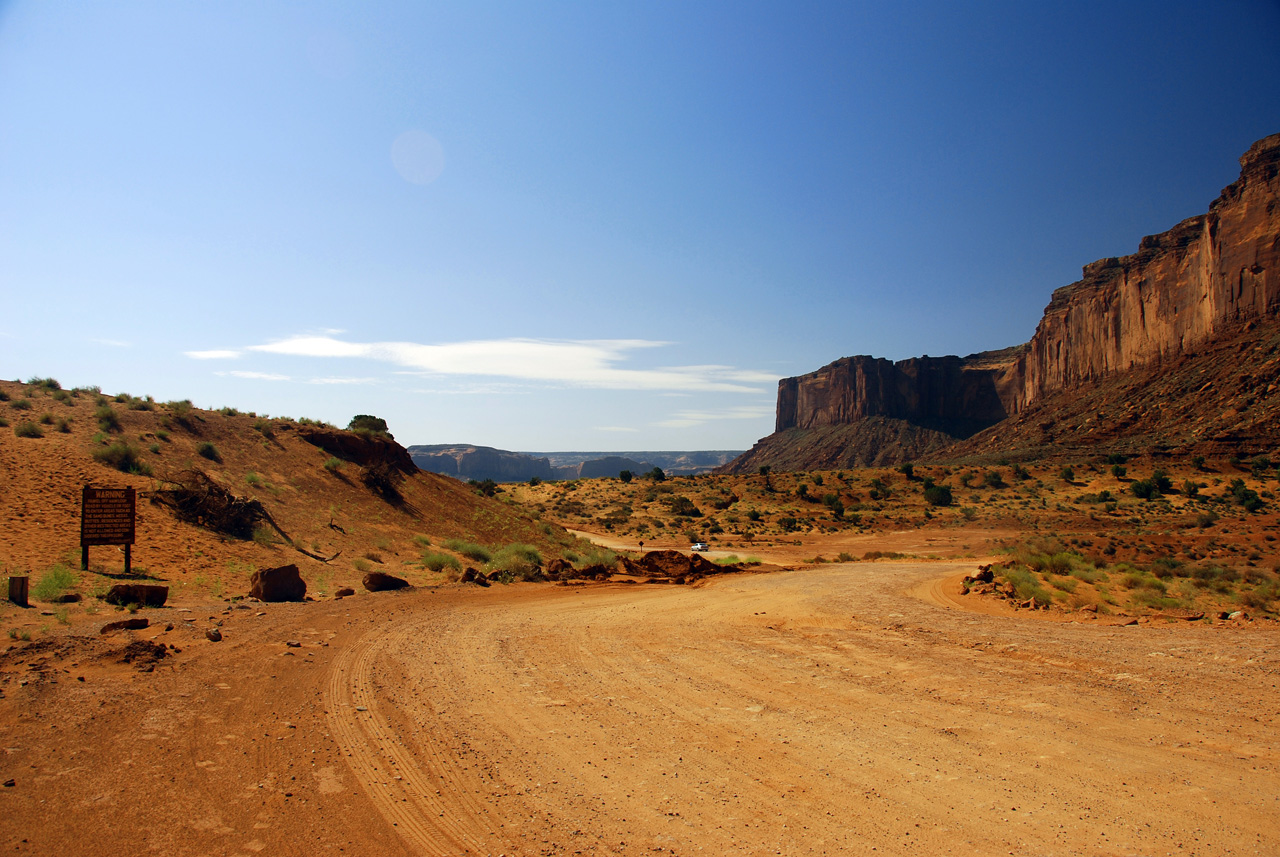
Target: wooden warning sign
[(107, 518)]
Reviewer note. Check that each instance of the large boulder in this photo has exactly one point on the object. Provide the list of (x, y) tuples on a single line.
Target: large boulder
[(278, 584), (380, 581), (144, 594)]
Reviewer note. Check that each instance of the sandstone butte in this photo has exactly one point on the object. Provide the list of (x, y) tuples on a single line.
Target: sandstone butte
[(1183, 289)]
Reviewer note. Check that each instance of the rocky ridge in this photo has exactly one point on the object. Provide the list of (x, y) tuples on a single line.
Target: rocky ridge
[(1181, 291)]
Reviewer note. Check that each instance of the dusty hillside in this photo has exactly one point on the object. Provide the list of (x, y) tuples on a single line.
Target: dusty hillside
[(330, 502)]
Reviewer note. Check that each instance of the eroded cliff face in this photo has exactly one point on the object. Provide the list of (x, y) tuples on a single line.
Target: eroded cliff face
[(1181, 290)]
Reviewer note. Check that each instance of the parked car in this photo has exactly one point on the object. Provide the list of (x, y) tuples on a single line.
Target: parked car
[(698, 546)]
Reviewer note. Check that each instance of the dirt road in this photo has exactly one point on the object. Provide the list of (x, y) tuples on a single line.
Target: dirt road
[(817, 712), (813, 712)]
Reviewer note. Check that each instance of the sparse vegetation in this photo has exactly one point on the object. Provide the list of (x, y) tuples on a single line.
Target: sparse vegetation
[(207, 450), (123, 457)]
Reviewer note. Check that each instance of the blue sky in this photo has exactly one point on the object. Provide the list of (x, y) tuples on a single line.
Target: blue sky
[(583, 225)]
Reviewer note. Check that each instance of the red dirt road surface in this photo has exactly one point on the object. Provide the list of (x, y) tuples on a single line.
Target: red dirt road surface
[(846, 709)]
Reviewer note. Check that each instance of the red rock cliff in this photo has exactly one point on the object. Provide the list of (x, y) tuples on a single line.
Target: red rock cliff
[(1180, 290)]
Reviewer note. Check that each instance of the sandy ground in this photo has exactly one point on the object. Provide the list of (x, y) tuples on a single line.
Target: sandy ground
[(845, 709)]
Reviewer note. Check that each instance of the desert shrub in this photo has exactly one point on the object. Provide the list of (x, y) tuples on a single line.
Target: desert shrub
[(440, 561), (656, 474), (1067, 474), (1154, 598), (938, 495), (4, 423), (626, 476), (28, 429), (485, 488), (844, 556), (360, 565), (470, 550), (63, 396), (594, 555), (263, 535), (422, 541), (108, 419), (253, 478), (21, 404), (520, 561), (788, 523), (1118, 471), (54, 583), (1021, 473), (146, 404), (753, 515), (229, 412), (163, 435), (1260, 467), (64, 425), (1026, 586), (123, 457), (368, 424), (4, 397), (209, 451), (332, 464), (49, 384), (879, 490), (1243, 496), (908, 470), (1143, 489), (264, 428), (1162, 483), (682, 507), (46, 419), (993, 479)]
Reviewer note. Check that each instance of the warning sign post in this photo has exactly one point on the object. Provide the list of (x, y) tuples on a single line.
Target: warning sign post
[(107, 518)]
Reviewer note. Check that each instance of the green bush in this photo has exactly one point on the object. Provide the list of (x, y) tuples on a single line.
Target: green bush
[(333, 464), (122, 457), (367, 424), (470, 550), (54, 583), (1026, 586), (28, 430), (520, 561), (209, 451), (64, 425), (20, 405), (938, 495), (440, 561), (107, 418)]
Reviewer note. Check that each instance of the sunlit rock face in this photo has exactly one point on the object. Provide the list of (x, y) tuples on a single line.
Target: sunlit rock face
[(1183, 288)]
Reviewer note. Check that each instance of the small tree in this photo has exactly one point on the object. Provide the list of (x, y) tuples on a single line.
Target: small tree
[(657, 475), (370, 425), (938, 495), (624, 475)]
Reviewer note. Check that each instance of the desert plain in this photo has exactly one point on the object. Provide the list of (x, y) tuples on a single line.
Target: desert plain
[(843, 691)]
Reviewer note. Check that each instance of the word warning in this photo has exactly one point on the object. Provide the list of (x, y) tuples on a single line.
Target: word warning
[(107, 518)]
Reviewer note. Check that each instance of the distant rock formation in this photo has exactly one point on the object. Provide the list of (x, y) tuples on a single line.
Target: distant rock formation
[(610, 465), (480, 463), (466, 461), (1182, 290)]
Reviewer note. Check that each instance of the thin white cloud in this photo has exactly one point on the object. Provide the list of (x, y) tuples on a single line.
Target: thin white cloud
[(617, 428), (343, 381), (256, 376), (112, 343), (578, 363), (220, 354), (687, 419)]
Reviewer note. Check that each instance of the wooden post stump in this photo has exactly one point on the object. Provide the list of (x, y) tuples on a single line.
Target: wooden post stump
[(18, 591)]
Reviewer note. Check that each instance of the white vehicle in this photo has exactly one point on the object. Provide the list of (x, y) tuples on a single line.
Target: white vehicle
[(698, 546)]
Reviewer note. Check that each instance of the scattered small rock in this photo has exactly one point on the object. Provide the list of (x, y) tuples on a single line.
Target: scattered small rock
[(144, 594), (293, 644), (214, 635), (344, 592), (135, 624), (379, 581), (8, 784), (473, 576)]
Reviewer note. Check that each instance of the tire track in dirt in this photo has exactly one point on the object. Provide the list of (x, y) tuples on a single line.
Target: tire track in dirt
[(429, 806)]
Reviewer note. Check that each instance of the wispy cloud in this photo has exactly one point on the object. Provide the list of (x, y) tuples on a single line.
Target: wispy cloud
[(256, 376), (112, 343), (617, 428), (577, 363), (342, 381), (686, 419), (221, 354)]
